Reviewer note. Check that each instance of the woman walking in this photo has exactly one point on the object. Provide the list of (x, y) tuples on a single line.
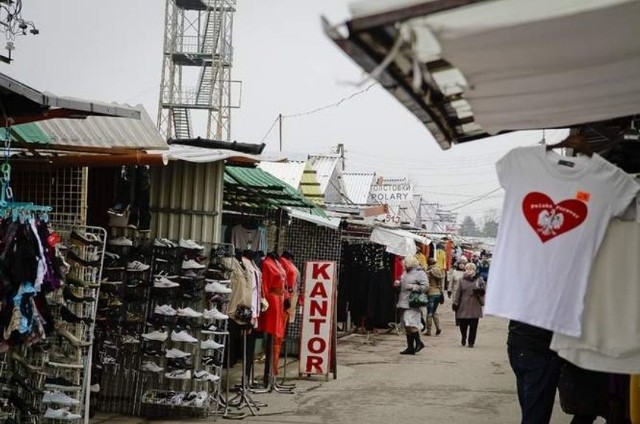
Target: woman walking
[(414, 279), (435, 295), (468, 302)]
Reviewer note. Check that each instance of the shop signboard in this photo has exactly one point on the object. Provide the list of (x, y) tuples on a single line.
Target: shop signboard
[(391, 192), (318, 324)]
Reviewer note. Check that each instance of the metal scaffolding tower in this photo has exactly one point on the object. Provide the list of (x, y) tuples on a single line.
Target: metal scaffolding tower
[(196, 70)]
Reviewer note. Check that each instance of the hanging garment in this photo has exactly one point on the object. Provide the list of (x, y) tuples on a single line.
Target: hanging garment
[(610, 340), (248, 239), (293, 285), (256, 304), (555, 215), (240, 286), (441, 258), (273, 286), (252, 279)]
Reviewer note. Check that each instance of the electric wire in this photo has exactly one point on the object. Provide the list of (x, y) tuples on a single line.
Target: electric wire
[(269, 130), (335, 104)]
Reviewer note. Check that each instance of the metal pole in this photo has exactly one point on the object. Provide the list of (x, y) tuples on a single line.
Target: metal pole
[(280, 130)]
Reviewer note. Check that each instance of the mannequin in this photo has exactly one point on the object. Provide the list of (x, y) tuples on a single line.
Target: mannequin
[(290, 296), (271, 321)]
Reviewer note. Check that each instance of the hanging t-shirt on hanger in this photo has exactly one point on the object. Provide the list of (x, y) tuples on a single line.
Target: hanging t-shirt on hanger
[(248, 239), (555, 215), (610, 340)]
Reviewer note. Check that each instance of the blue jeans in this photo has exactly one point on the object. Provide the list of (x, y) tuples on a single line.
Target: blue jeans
[(537, 378), (432, 306)]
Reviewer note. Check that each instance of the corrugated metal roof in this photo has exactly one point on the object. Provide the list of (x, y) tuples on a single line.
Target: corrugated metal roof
[(297, 174), (357, 186), (324, 167), (105, 132), (289, 172), (257, 188), (29, 133)]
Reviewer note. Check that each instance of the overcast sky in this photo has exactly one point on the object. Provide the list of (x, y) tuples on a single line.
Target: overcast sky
[(112, 51)]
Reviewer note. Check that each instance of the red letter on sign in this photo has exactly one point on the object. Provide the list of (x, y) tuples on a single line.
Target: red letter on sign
[(316, 345), (314, 362), (319, 308), (316, 324), (320, 269), (318, 290)]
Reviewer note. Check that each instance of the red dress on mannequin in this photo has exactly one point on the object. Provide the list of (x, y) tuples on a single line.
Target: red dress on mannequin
[(273, 288)]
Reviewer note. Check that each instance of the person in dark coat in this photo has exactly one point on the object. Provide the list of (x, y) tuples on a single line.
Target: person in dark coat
[(468, 303)]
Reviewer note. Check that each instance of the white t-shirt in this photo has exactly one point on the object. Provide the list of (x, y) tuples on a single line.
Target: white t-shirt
[(555, 214), (610, 340)]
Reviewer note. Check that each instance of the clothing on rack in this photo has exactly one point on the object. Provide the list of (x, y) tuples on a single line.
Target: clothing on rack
[(610, 339), (556, 209), (366, 288), (249, 238), (240, 285), (273, 286)]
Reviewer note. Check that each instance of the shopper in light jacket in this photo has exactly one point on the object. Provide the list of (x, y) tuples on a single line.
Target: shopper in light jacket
[(468, 303), (414, 279)]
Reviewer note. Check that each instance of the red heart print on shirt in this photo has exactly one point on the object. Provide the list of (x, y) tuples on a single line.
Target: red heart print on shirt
[(549, 219)]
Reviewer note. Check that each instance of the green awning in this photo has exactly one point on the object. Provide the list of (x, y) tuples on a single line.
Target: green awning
[(255, 188), (29, 133)]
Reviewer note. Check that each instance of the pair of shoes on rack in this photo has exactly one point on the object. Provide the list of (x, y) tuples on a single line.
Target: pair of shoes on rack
[(59, 398), (75, 258), (72, 318), (73, 340), (61, 414), (70, 296), (22, 361), (60, 383), (85, 239), (80, 283)]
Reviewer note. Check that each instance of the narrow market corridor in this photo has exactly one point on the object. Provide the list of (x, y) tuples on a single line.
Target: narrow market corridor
[(445, 383)]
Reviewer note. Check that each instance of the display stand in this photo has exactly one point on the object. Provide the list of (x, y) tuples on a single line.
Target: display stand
[(243, 399)]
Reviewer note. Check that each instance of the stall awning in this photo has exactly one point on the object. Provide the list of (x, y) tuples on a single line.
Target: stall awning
[(24, 104), (254, 188), (472, 68), (332, 223), (399, 242)]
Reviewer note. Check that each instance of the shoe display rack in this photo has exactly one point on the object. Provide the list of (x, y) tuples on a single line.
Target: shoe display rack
[(65, 366), (182, 345), (218, 291), (122, 306)]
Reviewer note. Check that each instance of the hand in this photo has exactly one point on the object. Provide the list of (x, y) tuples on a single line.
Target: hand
[(396, 283)]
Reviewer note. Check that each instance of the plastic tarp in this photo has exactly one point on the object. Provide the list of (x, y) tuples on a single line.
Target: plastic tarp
[(533, 64), (333, 223), (399, 242)]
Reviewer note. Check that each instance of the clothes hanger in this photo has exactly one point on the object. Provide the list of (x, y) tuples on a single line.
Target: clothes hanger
[(577, 142)]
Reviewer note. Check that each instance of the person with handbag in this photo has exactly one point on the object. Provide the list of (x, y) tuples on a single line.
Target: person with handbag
[(413, 286), (434, 294), (468, 303)]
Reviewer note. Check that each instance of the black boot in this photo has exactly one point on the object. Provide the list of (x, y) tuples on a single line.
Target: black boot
[(418, 343), (410, 350)]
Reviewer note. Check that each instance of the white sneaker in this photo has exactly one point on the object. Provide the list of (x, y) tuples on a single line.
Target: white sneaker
[(205, 376), (59, 398), (129, 339), (156, 335), (216, 287), (164, 283), (183, 336), (178, 375), (165, 274), (150, 366), (214, 314), (165, 310), (61, 414), (210, 344), (177, 353), (200, 399), (137, 266), (191, 264), (120, 241), (190, 244), (188, 312)]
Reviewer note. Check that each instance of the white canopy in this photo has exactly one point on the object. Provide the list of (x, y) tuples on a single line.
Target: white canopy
[(333, 223), (399, 242), (521, 64)]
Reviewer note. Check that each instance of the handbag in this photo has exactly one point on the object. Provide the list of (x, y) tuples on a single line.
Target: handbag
[(417, 299), (441, 298)]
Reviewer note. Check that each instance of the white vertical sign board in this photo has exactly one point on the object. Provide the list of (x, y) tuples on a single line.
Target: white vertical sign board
[(317, 317)]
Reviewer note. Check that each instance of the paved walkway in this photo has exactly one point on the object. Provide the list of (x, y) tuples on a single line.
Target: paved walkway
[(445, 383)]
